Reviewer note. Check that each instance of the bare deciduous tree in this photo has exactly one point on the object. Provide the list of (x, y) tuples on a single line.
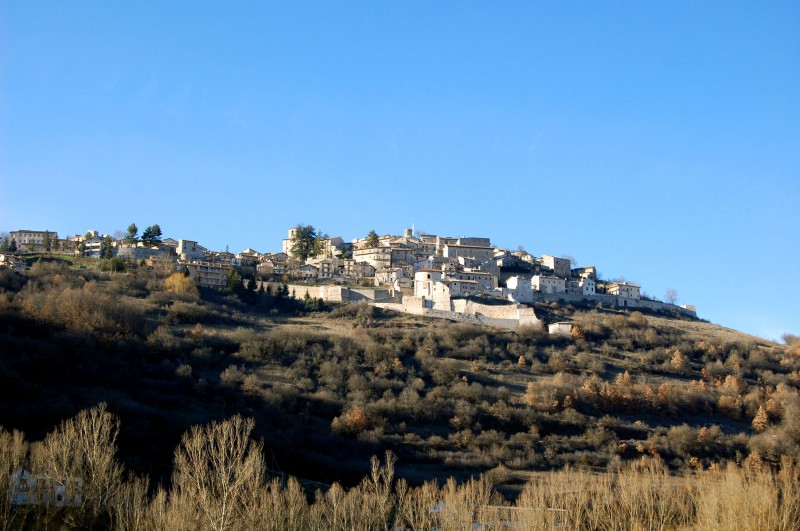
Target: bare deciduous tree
[(130, 511), (671, 296), (80, 455), (13, 456), (218, 468)]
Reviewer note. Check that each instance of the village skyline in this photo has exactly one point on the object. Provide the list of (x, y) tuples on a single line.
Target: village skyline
[(660, 142)]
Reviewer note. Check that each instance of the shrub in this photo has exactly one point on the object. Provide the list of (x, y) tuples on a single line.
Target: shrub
[(189, 312), (182, 284), (351, 422)]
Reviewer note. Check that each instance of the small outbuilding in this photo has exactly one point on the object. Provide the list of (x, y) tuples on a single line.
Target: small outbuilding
[(561, 327)]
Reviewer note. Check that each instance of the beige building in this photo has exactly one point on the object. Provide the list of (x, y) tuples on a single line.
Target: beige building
[(468, 251), (462, 287), (389, 276), (189, 250), (309, 271), (484, 281), (325, 268), (475, 242), (33, 241), (272, 266), (548, 284), (377, 257), (623, 289), (585, 272), (356, 270), (209, 274), (560, 266)]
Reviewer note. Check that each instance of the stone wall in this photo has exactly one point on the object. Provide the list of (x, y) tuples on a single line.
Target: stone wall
[(613, 300), (508, 316), (330, 293)]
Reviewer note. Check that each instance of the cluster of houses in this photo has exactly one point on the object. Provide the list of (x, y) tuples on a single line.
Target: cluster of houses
[(431, 267), (208, 268)]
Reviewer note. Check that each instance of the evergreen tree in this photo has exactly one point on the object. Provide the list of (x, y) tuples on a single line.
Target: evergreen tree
[(318, 248), (47, 241), (372, 240), (234, 282), (147, 237), (108, 251), (151, 236), (133, 234), (155, 234), (304, 242)]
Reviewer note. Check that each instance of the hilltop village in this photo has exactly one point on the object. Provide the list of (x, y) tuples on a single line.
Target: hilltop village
[(456, 278)]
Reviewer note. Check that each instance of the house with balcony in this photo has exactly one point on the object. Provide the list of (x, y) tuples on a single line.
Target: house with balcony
[(35, 489), (207, 273)]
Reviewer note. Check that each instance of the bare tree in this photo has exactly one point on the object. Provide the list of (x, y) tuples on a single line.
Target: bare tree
[(218, 468), (13, 456), (671, 296), (130, 510), (80, 456)]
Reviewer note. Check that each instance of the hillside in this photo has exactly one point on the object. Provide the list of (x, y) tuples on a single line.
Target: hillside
[(330, 388)]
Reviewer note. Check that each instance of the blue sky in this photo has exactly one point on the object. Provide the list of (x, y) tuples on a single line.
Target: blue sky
[(657, 141)]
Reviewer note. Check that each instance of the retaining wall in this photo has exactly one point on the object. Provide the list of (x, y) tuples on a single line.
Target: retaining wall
[(614, 300), (330, 293), (508, 316)]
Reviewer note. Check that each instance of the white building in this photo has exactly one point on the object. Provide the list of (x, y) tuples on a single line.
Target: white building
[(587, 286), (425, 282), (562, 327), (377, 257), (548, 284), (189, 250), (485, 281), (12, 262), (623, 289), (519, 289)]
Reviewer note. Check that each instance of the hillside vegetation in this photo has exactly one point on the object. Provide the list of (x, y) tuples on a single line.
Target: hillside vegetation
[(674, 403)]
